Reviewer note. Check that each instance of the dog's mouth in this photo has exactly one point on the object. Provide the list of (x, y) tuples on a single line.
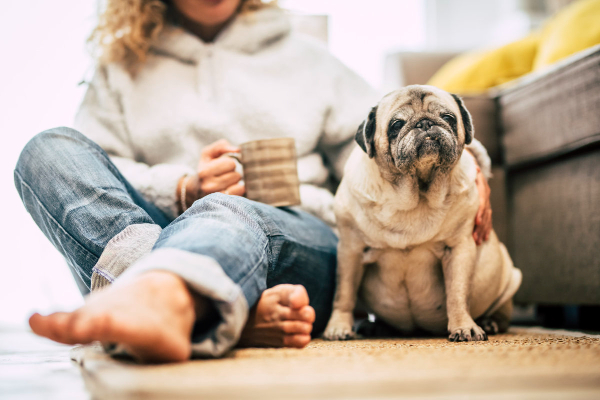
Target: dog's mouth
[(429, 145)]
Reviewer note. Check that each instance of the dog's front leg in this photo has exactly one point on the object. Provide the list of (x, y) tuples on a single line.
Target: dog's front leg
[(350, 270), (458, 264)]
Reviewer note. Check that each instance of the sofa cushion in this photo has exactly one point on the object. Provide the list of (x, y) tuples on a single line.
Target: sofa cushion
[(476, 72), (546, 115), (573, 29)]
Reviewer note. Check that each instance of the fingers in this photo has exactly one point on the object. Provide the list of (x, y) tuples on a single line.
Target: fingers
[(228, 179), (483, 218), (487, 224), (217, 149), (217, 167), (477, 235), (482, 230), (478, 228), (220, 183), (478, 232), (480, 212), (235, 190)]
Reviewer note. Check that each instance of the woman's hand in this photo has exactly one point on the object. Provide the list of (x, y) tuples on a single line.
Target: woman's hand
[(483, 219), (216, 173)]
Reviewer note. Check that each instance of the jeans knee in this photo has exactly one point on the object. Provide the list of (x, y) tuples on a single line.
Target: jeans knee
[(237, 207), (237, 204), (48, 150), (224, 199)]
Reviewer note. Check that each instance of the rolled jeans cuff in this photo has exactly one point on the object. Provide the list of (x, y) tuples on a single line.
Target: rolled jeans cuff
[(205, 277)]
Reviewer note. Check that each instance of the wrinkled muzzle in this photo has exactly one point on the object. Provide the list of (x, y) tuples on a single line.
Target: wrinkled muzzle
[(434, 142)]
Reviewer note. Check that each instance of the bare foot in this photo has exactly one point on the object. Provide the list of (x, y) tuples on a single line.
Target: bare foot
[(282, 318), (151, 316)]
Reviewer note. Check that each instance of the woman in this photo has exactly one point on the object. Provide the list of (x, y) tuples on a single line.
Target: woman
[(178, 81)]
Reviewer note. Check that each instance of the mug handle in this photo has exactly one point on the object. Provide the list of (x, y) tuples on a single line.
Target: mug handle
[(237, 156), (240, 166)]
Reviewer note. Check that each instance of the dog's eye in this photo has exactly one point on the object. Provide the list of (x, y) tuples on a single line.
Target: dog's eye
[(449, 118), (397, 125)]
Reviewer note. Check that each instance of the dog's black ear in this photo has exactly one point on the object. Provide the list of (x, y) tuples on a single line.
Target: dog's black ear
[(365, 135), (466, 118)]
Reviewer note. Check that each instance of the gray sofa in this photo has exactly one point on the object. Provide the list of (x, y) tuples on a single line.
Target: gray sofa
[(543, 135)]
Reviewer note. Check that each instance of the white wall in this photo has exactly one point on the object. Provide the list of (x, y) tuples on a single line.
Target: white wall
[(362, 32), (458, 25), (43, 59)]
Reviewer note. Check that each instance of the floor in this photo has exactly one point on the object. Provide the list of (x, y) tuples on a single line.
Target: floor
[(526, 363), (32, 367)]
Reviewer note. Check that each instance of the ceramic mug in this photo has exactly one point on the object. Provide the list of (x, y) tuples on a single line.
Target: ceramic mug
[(270, 171)]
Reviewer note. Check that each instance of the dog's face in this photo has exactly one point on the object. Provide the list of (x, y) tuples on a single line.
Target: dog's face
[(416, 126)]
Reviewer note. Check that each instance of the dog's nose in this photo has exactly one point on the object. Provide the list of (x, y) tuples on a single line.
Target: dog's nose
[(424, 124)]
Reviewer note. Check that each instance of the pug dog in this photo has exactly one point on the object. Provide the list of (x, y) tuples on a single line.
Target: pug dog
[(405, 211)]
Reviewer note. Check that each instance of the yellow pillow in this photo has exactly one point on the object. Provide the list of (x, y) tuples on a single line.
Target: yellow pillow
[(573, 29), (472, 73)]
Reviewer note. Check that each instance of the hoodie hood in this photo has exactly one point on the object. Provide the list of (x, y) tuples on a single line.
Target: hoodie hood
[(247, 33)]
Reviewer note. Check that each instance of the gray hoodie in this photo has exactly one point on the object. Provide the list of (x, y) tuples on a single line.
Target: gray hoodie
[(257, 80)]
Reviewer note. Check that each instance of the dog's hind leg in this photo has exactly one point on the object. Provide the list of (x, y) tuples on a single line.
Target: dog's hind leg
[(499, 321), (376, 329)]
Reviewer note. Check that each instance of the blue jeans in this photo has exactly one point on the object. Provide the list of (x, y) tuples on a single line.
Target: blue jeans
[(227, 248)]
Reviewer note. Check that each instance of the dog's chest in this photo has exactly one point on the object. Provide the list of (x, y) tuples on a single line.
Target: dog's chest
[(406, 289), (384, 226)]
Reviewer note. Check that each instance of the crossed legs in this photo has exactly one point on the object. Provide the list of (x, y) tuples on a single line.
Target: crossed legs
[(282, 262)]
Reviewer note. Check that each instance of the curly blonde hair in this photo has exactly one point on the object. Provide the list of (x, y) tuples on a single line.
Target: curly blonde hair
[(127, 28)]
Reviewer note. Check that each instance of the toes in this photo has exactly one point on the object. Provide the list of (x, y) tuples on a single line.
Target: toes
[(53, 326), (298, 341), (460, 335), (478, 334), (296, 327), (465, 336), (306, 314), (468, 334), (39, 325), (339, 334), (294, 296), (67, 328)]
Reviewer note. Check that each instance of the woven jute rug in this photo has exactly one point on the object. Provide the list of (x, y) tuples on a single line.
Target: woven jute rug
[(524, 363)]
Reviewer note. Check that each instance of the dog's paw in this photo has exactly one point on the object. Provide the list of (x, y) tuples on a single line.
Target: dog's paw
[(488, 325), (467, 334), (339, 333), (339, 327)]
